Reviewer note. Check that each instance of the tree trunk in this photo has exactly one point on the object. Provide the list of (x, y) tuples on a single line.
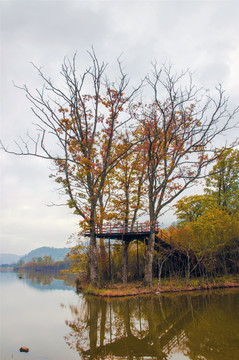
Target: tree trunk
[(148, 276), (161, 261), (102, 264), (93, 254)]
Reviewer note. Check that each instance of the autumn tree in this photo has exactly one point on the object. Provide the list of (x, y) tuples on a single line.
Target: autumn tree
[(178, 128), (79, 259), (190, 208), (128, 190), (208, 226), (83, 118), (182, 241), (211, 234), (81, 129), (221, 189), (223, 180)]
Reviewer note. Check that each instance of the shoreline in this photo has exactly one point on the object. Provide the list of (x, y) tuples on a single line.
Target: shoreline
[(174, 286)]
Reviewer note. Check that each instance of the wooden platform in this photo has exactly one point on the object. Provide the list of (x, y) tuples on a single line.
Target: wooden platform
[(126, 234), (140, 231)]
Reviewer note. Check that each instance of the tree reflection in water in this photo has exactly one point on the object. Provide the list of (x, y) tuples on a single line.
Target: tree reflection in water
[(198, 325), (46, 278)]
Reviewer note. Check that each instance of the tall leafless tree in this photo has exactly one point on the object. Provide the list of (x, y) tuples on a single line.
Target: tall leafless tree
[(179, 129), (83, 118)]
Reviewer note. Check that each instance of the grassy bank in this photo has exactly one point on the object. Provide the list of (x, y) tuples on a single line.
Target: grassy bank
[(166, 285)]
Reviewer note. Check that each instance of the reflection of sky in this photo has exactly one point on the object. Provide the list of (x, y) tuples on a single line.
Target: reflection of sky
[(34, 319)]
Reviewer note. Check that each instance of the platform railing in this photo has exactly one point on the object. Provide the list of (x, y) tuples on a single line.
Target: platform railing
[(112, 228), (121, 228)]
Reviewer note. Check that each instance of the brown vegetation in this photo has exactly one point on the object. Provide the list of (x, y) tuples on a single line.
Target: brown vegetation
[(179, 285)]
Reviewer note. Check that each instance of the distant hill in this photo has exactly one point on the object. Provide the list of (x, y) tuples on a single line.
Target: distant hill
[(9, 259), (56, 253)]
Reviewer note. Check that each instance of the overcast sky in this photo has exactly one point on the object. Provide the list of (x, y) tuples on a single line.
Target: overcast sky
[(200, 35)]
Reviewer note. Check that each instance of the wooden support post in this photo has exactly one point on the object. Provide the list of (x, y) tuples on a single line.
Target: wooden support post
[(125, 261), (138, 259), (109, 262)]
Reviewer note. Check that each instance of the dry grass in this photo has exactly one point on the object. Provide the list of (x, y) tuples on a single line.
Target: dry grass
[(179, 285), (119, 290)]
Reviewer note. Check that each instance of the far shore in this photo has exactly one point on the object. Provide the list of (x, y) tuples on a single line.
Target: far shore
[(3, 269)]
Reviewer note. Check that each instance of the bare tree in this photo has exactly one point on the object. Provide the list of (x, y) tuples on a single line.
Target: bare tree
[(84, 117), (179, 129), (87, 119)]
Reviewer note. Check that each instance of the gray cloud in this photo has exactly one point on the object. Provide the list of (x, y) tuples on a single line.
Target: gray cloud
[(202, 35)]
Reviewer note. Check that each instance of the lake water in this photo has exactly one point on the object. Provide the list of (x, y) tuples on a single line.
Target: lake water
[(47, 315)]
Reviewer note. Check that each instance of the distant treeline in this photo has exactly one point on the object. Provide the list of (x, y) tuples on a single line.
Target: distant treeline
[(43, 264)]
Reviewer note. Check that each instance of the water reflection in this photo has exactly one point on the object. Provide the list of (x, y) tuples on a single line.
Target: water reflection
[(157, 327), (47, 281)]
